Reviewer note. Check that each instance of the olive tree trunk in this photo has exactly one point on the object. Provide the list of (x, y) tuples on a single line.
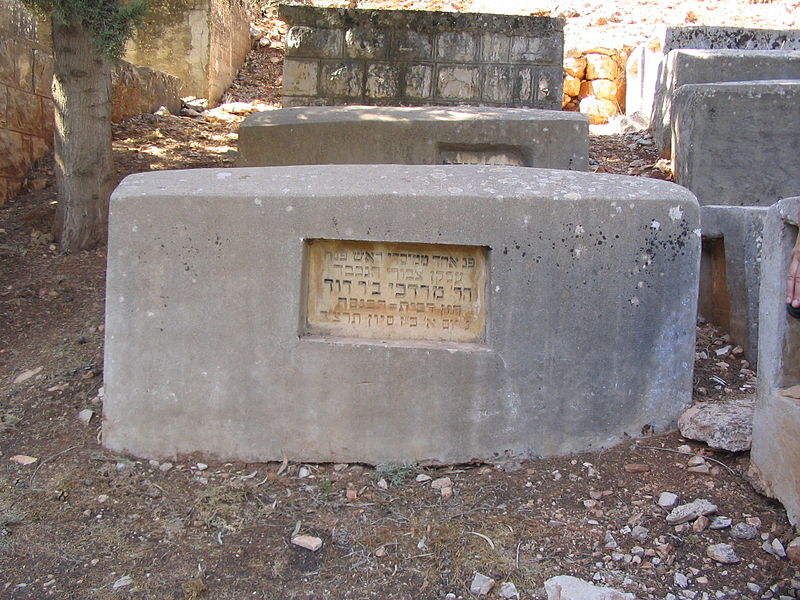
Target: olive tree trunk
[(84, 167)]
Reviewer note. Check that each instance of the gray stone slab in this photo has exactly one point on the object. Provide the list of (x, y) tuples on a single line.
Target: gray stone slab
[(775, 455), (712, 66), (730, 271), (414, 135), (645, 62), (736, 143), (590, 301)]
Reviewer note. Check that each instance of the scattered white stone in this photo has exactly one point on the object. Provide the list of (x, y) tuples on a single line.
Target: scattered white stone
[(340, 467), (165, 466), (481, 584), (102, 498), (689, 512), (201, 466), (724, 351), (23, 459), (25, 375), (383, 484), (639, 533), (726, 425), (423, 478), (685, 447), (447, 492), (667, 500), (309, 542), (720, 523), (162, 111), (442, 482), (723, 553), (681, 580), (775, 548), (508, 590), (754, 587), (303, 472), (85, 415), (566, 587), (793, 551), (122, 582), (609, 541), (694, 461)]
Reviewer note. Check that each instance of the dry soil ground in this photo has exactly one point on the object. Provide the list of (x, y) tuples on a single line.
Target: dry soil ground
[(81, 522)]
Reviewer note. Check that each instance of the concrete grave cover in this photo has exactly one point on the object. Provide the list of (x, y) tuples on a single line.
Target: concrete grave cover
[(259, 312)]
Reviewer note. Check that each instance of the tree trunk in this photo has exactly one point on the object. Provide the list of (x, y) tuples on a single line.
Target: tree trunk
[(84, 168)]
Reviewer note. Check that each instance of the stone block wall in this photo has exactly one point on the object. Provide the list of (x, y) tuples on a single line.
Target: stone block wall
[(203, 42), (351, 56), (26, 70)]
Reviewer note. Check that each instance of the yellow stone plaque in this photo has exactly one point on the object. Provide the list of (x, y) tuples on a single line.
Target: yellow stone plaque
[(396, 290)]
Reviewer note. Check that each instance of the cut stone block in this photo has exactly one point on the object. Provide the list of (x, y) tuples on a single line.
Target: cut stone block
[(736, 143), (712, 66), (586, 286), (414, 135), (730, 271), (645, 62), (775, 455)]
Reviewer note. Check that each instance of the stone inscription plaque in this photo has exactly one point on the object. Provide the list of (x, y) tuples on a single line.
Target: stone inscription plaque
[(396, 290)]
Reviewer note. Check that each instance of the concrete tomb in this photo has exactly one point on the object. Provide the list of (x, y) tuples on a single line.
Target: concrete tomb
[(375, 313), (415, 135), (775, 454), (644, 67), (735, 143), (340, 56), (712, 66), (730, 271)]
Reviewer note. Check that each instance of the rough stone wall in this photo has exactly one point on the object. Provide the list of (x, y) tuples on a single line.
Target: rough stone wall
[(26, 105), (26, 69), (203, 42), (351, 56)]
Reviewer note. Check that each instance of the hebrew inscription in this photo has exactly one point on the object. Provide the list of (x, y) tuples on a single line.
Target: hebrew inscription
[(396, 290)]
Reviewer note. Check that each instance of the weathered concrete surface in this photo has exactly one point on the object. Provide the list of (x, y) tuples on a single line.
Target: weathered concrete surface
[(730, 271), (590, 314), (712, 66), (736, 143), (415, 135), (202, 42), (645, 62), (775, 456)]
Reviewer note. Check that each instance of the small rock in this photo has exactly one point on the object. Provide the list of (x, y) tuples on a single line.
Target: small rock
[(637, 468), (23, 459), (380, 552), (508, 590), (423, 478), (695, 461), (122, 582), (339, 467), (726, 425), (703, 469), (609, 541), (684, 448), (754, 587), (723, 553), (689, 512), (793, 551), (566, 587), (383, 484), (775, 548), (309, 542), (681, 580), (102, 498), (744, 531), (700, 524), (442, 482), (165, 466), (481, 584), (25, 375), (85, 415), (351, 494), (303, 472), (162, 111), (639, 533), (447, 492), (667, 500), (201, 466)]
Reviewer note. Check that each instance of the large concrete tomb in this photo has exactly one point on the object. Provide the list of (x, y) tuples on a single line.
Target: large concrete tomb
[(736, 143), (396, 313), (415, 136)]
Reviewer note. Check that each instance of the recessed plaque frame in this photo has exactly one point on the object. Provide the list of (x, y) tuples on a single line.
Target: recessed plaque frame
[(395, 290)]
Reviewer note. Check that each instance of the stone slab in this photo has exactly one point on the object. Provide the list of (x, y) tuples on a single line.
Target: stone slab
[(735, 143), (645, 62), (775, 455), (414, 135), (590, 314), (712, 66), (730, 271)]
